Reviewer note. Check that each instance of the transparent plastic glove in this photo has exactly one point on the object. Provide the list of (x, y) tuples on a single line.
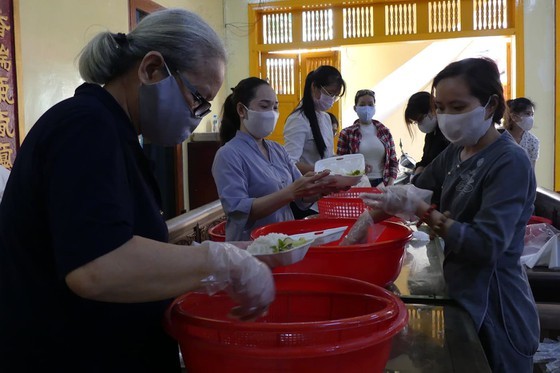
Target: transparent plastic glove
[(398, 200), (247, 280)]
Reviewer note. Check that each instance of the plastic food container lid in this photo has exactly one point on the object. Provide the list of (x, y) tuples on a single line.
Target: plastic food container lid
[(345, 165)]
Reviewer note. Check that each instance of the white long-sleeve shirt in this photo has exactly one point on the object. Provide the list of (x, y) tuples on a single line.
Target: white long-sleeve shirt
[(299, 141)]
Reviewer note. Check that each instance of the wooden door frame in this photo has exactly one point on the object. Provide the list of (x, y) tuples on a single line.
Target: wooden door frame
[(283, 98), (319, 53), (146, 6)]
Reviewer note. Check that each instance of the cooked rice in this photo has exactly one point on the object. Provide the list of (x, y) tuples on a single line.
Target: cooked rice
[(263, 244)]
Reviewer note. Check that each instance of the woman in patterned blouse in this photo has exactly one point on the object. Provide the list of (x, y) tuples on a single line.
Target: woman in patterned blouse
[(518, 121), (372, 139)]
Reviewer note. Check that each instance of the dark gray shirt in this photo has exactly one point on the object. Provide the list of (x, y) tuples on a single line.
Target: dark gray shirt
[(491, 197)]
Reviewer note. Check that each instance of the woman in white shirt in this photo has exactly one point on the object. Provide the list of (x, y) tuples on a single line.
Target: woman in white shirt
[(518, 121), (308, 134)]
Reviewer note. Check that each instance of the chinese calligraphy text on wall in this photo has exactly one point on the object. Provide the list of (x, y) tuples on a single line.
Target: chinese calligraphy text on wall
[(8, 89)]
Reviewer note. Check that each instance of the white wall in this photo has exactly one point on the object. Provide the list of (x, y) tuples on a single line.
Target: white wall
[(47, 69), (237, 42), (52, 33), (539, 81)]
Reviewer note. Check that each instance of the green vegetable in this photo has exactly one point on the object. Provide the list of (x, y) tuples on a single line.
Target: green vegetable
[(287, 244), (355, 173)]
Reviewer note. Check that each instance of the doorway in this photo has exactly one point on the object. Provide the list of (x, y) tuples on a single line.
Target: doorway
[(286, 72), (394, 71)]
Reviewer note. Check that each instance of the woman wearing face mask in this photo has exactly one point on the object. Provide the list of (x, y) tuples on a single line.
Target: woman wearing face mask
[(483, 226), (308, 134), (518, 122), (85, 270), (419, 110), (256, 179), (372, 139)]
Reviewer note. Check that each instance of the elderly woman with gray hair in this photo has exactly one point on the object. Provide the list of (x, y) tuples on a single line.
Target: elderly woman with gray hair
[(85, 268)]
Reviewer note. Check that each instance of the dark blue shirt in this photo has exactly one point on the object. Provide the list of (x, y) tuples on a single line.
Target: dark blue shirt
[(80, 188)]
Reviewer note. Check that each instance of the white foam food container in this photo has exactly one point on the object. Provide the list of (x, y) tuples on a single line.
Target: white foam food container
[(285, 258), (344, 165), (322, 237)]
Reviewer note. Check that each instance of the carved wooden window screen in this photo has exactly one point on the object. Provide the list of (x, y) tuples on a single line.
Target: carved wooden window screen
[(296, 24)]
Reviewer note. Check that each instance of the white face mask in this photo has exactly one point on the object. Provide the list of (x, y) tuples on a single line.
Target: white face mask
[(464, 129), (260, 124), (365, 113), (428, 124), (526, 123), (324, 103)]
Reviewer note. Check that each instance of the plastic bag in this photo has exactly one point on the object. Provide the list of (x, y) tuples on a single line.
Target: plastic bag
[(364, 230), (541, 246), (549, 353)]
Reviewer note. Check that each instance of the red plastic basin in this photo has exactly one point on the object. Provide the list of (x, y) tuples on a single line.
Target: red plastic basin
[(378, 262), (217, 233), (538, 220), (317, 323)]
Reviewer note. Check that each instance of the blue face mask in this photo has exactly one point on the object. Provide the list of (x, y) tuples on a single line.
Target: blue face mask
[(365, 113), (165, 117)]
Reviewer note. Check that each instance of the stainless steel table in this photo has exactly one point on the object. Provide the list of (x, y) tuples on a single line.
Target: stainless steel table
[(440, 336), (421, 276)]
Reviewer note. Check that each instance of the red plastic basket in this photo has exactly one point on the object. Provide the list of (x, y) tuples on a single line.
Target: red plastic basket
[(316, 324), (344, 204), (378, 262), (538, 220), (217, 233)]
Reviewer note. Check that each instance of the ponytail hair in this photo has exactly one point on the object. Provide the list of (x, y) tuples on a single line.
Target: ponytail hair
[(184, 39), (244, 92), (322, 76)]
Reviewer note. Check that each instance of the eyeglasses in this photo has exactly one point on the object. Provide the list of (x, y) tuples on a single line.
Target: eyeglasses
[(333, 95), (203, 107)]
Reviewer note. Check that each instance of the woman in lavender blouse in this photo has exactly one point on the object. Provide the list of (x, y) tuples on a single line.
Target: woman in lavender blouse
[(255, 177)]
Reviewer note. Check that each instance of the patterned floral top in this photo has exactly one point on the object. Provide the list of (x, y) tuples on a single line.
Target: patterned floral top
[(530, 143)]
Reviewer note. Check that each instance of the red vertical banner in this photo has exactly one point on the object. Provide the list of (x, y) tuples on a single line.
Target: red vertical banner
[(9, 137)]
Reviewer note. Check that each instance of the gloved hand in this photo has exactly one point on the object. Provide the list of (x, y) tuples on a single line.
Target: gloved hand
[(247, 280), (398, 200)]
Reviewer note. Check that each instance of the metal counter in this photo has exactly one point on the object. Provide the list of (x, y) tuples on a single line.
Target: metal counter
[(437, 339), (421, 277), (440, 336)]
